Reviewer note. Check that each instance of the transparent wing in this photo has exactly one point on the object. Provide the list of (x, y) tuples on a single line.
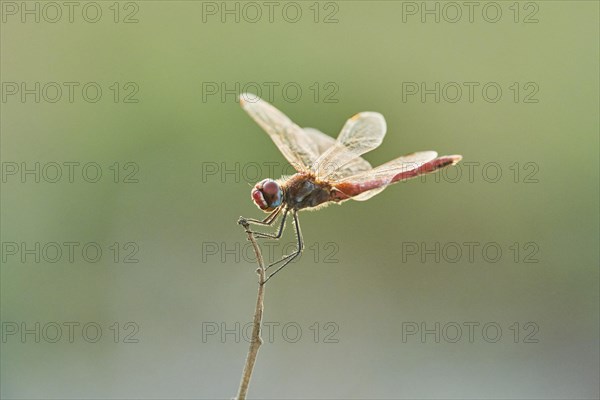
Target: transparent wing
[(322, 142), (354, 167), (367, 184), (318, 141), (292, 141), (361, 133)]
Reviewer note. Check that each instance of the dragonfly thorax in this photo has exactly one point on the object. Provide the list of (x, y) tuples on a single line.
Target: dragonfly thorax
[(267, 195), (304, 190)]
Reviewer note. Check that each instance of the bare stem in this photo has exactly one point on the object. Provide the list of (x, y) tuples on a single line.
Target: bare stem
[(256, 340)]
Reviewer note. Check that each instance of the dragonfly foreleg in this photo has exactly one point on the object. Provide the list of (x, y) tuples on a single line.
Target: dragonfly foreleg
[(267, 221), (263, 235), (288, 259)]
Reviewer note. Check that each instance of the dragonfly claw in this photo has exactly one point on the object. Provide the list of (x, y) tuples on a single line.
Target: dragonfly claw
[(242, 221)]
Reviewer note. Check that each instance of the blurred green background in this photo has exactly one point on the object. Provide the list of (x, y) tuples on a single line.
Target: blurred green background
[(367, 269)]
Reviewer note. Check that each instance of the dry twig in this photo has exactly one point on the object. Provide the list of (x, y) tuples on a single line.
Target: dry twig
[(256, 340)]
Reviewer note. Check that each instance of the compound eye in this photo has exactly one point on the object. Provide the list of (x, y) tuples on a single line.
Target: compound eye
[(271, 188), (258, 199)]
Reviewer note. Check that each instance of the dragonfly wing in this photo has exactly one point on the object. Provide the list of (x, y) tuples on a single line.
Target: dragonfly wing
[(354, 167), (292, 141), (319, 141), (323, 142), (367, 184), (361, 133)]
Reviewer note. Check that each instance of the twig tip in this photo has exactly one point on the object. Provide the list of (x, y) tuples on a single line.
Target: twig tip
[(242, 221)]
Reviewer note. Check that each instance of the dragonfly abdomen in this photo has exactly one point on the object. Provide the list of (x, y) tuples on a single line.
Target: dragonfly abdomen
[(349, 189)]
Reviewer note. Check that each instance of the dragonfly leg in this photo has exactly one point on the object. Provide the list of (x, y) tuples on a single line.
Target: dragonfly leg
[(267, 221), (262, 235), (287, 259)]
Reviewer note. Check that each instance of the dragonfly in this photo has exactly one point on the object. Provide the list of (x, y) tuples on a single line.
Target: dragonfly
[(328, 170)]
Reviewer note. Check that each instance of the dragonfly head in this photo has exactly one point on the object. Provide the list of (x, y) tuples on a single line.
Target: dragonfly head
[(267, 195)]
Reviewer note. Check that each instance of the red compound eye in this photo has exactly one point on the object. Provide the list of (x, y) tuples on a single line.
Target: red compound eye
[(271, 188), (258, 199)]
